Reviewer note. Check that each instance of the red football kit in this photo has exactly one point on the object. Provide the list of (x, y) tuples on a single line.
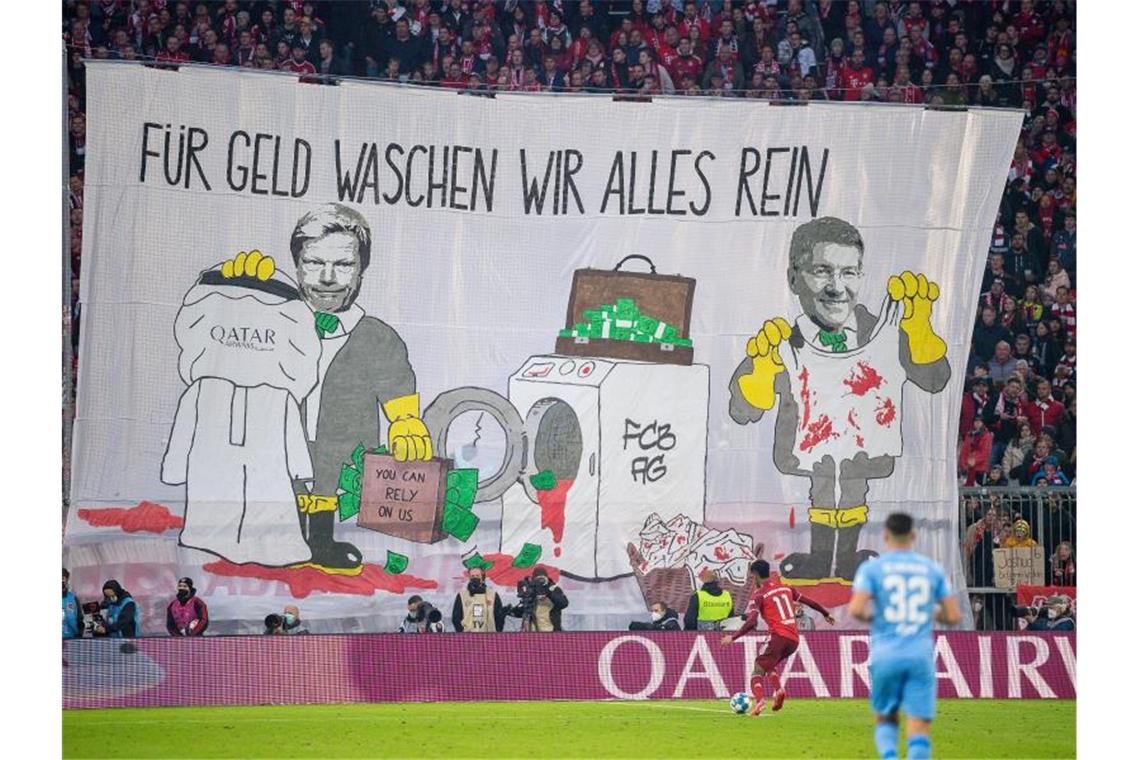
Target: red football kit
[(776, 604)]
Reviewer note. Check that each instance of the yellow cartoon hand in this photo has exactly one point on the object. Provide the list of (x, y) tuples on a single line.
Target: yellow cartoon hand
[(409, 440), (918, 296), (252, 264), (408, 437), (759, 386)]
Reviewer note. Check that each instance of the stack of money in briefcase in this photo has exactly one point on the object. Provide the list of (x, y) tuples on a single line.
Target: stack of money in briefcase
[(637, 316), (624, 321)]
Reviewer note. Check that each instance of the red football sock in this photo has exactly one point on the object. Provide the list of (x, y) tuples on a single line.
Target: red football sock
[(774, 680), (757, 686)]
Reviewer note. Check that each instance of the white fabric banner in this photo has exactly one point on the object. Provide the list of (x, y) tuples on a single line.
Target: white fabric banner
[(442, 275)]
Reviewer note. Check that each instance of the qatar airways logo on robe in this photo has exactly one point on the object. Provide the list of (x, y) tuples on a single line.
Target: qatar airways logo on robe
[(248, 338)]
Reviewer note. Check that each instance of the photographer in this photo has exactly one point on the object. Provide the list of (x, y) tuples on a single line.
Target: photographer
[(274, 625), (662, 619), (120, 617), (291, 621), (187, 614), (422, 617), (540, 603), (72, 614), (477, 609), (1056, 616)]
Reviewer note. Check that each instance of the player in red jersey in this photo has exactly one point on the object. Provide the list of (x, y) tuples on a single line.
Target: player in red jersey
[(776, 603)]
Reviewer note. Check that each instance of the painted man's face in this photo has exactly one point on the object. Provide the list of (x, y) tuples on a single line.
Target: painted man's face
[(329, 272), (827, 283)]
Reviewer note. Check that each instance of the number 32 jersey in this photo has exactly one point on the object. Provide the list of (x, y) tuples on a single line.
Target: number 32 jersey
[(905, 587)]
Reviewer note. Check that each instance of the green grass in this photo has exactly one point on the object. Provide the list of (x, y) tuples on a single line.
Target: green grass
[(805, 728)]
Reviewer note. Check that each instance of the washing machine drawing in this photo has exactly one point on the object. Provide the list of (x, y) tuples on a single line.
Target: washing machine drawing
[(610, 441)]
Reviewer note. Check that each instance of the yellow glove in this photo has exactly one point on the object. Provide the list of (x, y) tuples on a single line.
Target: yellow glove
[(918, 296), (408, 437), (759, 386), (252, 264)]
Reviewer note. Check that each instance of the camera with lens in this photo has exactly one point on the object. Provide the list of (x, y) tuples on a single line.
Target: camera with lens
[(92, 617), (529, 590), (1028, 611)]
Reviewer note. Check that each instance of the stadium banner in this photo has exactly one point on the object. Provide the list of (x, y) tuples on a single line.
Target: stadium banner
[(242, 670), (340, 344)]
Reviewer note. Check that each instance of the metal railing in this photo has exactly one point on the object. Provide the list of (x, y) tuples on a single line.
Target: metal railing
[(987, 517)]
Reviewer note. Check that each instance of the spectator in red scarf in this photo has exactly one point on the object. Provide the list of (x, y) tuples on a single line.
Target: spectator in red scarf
[(1064, 308), (1044, 410), (729, 69)]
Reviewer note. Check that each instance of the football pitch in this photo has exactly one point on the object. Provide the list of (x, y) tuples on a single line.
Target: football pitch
[(692, 728)]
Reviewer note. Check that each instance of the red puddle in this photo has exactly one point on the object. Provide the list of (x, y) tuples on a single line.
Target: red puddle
[(805, 396), (147, 516), (504, 573), (863, 378), (553, 505), (817, 432), (303, 581), (885, 413)]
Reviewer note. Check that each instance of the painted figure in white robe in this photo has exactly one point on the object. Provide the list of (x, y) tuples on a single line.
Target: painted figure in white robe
[(249, 354)]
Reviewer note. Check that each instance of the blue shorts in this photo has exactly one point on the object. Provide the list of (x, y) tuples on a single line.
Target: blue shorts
[(908, 683)]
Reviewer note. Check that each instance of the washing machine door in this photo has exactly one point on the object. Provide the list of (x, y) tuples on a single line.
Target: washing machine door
[(479, 428)]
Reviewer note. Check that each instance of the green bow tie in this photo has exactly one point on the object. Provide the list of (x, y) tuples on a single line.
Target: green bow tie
[(836, 341), (326, 323)]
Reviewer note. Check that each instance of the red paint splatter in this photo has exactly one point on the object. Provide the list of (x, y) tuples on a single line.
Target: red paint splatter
[(303, 581), (885, 413), (851, 419), (817, 432), (829, 595), (504, 573), (720, 554), (553, 505), (791, 517), (147, 516), (859, 441), (558, 551), (805, 397), (863, 379)]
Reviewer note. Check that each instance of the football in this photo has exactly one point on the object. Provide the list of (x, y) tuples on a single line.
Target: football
[(740, 703)]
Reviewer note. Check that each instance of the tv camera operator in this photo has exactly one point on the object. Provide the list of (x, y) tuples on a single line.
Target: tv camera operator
[(540, 603)]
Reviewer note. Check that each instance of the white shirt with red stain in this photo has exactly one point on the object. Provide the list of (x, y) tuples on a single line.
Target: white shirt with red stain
[(847, 402)]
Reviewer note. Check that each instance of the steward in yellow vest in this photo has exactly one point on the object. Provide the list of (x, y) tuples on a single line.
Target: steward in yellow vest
[(709, 605)]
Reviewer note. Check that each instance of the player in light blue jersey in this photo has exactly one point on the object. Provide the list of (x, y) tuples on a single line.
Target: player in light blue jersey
[(902, 594)]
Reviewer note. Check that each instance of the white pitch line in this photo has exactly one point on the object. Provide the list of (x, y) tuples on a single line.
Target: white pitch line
[(682, 707)]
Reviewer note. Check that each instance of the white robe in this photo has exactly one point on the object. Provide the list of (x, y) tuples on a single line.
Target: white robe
[(238, 450), (237, 442)]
